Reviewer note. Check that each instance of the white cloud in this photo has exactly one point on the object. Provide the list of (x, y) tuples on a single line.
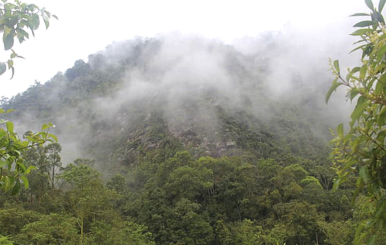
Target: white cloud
[(88, 26)]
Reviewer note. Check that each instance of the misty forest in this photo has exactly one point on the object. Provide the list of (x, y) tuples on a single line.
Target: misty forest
[(181, 139)]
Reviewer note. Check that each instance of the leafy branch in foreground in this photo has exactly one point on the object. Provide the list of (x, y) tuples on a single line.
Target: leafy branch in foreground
[(360, 154), (15, 21), (12, 168)]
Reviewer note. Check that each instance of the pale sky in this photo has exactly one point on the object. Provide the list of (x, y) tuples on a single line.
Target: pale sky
[(86, 26)]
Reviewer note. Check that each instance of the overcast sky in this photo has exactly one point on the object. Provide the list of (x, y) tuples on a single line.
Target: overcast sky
[(86, 26)]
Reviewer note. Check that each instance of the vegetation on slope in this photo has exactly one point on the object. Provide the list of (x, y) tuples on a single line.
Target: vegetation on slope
[(194, 148)]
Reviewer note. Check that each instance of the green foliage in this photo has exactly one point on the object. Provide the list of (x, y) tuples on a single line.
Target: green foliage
[(301, 222), (80, 176), (47, 160), (361, 153), (311, 181), (13, 170), (338, 232), (4, 241), (187, 201), (249, 232), (88, 216), (16, 18), (118, 184), (49, 229), (251, 179), (12, 220), (121, 233), (232, 202), (88, 198)]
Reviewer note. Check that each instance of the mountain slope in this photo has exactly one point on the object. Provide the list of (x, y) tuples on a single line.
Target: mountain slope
[(211, 149)]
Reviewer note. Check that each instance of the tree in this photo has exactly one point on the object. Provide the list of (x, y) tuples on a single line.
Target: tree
[(49, 229), (4, 241), (360, 154), (15, 19), (54, 160), (120, 233), (80, 68), (88, 198), (12, 167)]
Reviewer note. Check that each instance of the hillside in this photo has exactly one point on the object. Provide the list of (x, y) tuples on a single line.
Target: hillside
[(198, 143), (201, 92)]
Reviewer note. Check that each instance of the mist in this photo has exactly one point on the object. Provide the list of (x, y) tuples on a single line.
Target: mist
[(184, 81), (209, 127)]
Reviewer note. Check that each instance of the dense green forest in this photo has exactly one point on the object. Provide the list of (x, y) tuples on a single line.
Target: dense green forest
[(179, 141), (185, 140)]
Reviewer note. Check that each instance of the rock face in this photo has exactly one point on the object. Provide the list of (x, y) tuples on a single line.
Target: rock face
[(155, 133)]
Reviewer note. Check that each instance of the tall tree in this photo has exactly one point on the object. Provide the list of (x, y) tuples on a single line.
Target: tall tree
[(87, 197), (54, 160), (361, 153)]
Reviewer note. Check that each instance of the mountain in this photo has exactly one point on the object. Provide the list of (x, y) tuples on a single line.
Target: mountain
[(213, 144), (205, 94)]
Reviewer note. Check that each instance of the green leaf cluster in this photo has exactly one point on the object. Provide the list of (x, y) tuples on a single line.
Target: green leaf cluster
[(359, 154), (16, 19), (13, 170)]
